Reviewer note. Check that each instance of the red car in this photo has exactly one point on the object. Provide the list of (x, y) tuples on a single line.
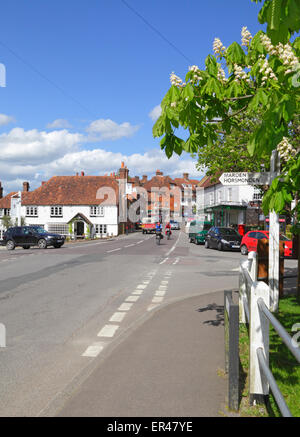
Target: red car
[(249, 242)]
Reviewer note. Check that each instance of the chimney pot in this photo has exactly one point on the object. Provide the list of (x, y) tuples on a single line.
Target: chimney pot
[(82, 173)]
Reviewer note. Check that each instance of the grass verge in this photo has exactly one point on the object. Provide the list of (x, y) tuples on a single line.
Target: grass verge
[(282, 363)]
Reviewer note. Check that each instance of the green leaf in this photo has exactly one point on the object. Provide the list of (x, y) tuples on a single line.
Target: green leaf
[(188, 92), (260, 98), (235, 54)]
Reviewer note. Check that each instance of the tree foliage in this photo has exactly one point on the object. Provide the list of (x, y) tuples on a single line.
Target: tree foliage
[(256, 80)]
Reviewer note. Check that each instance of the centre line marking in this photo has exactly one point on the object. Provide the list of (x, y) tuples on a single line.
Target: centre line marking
[(117, 317), (113, 250), (137, 292), (141, 287), (108, 331), (164, 261), (160, 292), (132, 298), (93, 350), (157, 299), (125, 306)]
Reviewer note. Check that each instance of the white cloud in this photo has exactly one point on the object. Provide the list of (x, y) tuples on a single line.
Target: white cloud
[(155, 113), (110, 130), (6, 119), (59, 123), (20, 147)]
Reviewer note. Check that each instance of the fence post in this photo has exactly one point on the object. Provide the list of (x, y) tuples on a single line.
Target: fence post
[(231, 324), (252, 265), (242, 292), (259, 338)]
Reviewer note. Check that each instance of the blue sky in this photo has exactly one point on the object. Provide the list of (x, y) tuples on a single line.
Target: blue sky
[(82, 78)]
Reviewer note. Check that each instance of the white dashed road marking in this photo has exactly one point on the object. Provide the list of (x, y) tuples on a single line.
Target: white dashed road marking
[(108, 331), (94, 350), (125, 306), (117, 317)]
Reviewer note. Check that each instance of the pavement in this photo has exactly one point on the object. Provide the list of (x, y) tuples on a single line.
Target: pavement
[(174, 367)]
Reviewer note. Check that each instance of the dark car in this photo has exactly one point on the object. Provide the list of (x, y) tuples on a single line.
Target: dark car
[(27, 236), (223, 238)]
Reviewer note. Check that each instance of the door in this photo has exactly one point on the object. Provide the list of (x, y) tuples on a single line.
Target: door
[(80, 229)]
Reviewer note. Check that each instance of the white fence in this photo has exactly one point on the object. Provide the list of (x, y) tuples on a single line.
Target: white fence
[(254, 304)]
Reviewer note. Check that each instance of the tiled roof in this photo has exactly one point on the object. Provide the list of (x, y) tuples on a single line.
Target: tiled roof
[(71, 190), (206, 181), (5, 201)]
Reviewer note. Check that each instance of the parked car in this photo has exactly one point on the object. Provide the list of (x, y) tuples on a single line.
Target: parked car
[(198, 231), (223, 238), (27, 236), (249, 242), (174, 224)]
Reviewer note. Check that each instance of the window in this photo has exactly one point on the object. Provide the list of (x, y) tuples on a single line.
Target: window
[(97, 211), (101, 229), (58, 228), (220, 196), (56, 211), (211, 198), (4, 211), (31, 211)]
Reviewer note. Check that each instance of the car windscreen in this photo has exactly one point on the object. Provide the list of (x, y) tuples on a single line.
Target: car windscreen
[(39, 230), (228, 232)]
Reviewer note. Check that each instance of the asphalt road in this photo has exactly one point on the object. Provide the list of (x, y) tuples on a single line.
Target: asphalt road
[(66, 309)]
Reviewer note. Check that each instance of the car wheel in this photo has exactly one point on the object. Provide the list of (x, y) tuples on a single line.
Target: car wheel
[(220, 246), (197, 242), (191, 240), (10, 245), (206, 244), (244, 249), (26, 247), (42, 244)]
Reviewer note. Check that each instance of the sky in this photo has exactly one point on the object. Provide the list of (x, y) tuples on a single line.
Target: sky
[(84, 81)]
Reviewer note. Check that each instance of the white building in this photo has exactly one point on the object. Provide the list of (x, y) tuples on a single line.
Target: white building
[(77, 206), (230, 205)]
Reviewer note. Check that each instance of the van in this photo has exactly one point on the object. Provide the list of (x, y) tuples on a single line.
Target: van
[(198, 231)]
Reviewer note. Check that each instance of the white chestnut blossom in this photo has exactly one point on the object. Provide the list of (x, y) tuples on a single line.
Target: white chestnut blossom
[(240, 74), (284, 52), (267, 72), (246, 36), (286, 150), (197, 73), (221, 74), (175, 80), (218, 47)]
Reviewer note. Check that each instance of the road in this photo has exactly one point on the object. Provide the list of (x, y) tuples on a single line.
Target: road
[(66, 309)]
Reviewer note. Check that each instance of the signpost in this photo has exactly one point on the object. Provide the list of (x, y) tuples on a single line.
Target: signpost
[(244, 178), (266, 178)]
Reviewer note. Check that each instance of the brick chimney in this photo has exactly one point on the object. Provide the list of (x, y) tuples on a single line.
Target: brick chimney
[(185, 176), (25, 187), (123, 172), (1, 191), (159, 173), (144, 179)]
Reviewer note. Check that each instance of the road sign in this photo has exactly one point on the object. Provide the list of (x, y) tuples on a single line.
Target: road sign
[(244, 178)]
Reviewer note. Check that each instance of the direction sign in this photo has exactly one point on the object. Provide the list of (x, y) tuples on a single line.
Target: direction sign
[(244, 178)]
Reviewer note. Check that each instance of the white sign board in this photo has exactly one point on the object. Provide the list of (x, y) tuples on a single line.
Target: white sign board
[(244, 178)]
